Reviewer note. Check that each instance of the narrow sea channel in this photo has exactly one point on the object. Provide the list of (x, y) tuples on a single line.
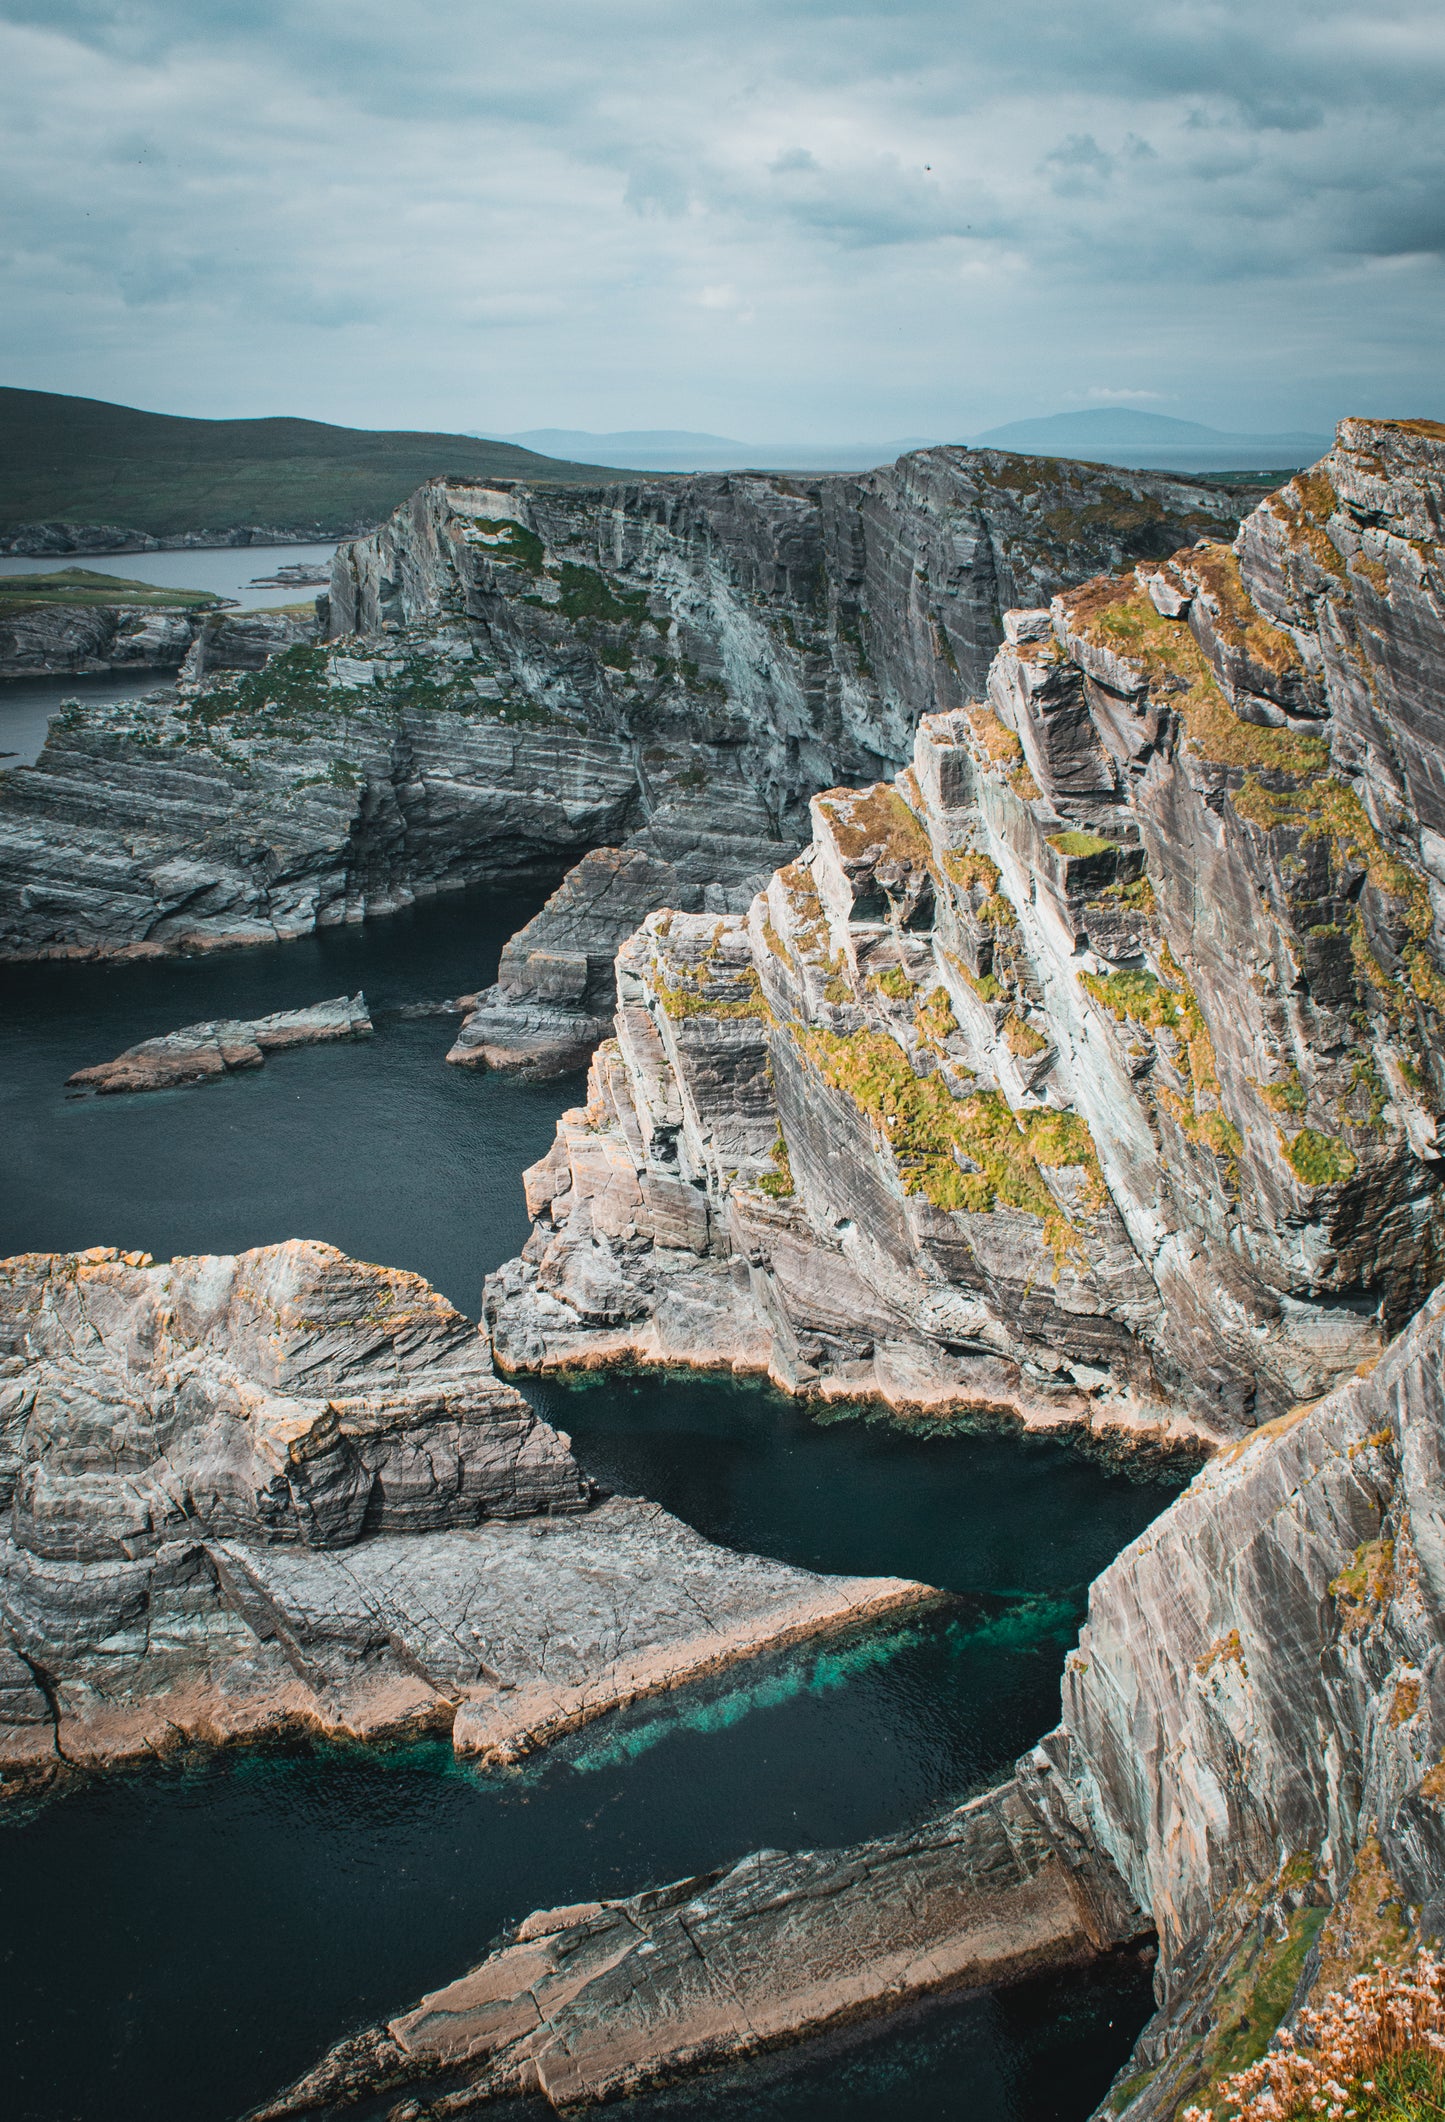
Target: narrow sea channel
[(174, 1945)]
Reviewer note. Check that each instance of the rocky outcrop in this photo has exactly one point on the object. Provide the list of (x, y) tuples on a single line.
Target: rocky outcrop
[(594, 2001), (517, 675), (1091, 1070), (1250, 1760), (555, 992), (46, 640), (43, 640), (1255, 1715), (198, 1052), (286, 1492), (244, 641)]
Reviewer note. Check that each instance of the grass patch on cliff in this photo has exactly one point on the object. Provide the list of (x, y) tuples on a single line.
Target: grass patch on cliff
[(506, 540), (779, 1181), (1078, 844), (691, 995), (585, 594), (876, 821), (1117, 614), (935, 1137), (1170, 1005), (1319, 1160)]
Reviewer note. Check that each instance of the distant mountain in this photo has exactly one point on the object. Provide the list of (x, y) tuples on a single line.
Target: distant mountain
[(1120, 434), (579, 442), (82, 460), (673, 449)]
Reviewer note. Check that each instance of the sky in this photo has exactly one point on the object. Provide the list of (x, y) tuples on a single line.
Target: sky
[(769, 219)]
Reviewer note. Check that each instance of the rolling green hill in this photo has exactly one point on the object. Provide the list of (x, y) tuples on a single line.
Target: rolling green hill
[(80, 460), (82, 585)]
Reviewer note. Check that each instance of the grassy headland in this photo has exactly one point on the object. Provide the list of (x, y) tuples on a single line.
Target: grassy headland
[(80, 460), (82, 585)]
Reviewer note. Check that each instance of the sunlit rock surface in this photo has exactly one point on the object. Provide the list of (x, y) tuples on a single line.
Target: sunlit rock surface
[(1254, 1719), (1091, 1070), (1250, 1760), (593, 2001), (286, 1491)]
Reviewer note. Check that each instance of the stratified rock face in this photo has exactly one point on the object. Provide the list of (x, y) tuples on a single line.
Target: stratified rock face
[(245, 641), (198, 1052), (286, 1490), (1093, 1067), (555, 992), (63, 638), (527, 674), (590, 2002), (51, 639), (1255, 1714)]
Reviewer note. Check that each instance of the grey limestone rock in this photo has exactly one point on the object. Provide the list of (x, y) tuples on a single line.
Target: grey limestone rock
[(517, 675), (50, 639), (1091, 1070), (593, 2001), (555, 992), (198, 1052), (286, 1491), (1249, 1759), (1254, 1717)]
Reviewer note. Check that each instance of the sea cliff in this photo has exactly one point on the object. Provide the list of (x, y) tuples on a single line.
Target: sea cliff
[(1091, 1069), (515, 675), (1249, 1762)]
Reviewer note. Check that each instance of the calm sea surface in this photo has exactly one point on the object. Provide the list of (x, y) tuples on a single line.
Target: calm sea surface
[(173, 1945)]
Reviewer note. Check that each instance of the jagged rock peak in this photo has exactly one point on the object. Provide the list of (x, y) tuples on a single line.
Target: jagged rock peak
[(1093, 1067)]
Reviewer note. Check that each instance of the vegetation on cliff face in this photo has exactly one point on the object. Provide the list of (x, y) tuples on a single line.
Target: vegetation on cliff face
[(1373, 2051), (970, 1153), (1118, 614)]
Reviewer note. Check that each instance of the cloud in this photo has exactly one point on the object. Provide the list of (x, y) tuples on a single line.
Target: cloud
[(942, 213)]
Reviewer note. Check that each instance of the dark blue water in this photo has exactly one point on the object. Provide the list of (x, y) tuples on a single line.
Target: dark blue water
[(178, 1943), (375, 1146)]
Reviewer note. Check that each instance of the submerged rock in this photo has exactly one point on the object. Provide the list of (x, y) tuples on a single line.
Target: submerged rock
[(1091, 1071), (286, 1491), (199, 1051)]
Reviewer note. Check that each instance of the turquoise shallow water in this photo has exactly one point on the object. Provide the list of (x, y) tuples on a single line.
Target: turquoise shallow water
[(176, 1944)]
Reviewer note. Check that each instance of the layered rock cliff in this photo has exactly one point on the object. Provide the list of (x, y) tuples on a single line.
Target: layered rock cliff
[(517, 675), (1091, 1070), (1254, 1718), (1250, 1760), (50, 640), (286, 1492)]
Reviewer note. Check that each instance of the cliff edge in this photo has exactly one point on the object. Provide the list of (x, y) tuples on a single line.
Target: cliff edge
[(1091, 1070)]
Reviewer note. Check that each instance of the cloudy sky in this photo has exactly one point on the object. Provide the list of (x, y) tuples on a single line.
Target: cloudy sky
[(772, 219)]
